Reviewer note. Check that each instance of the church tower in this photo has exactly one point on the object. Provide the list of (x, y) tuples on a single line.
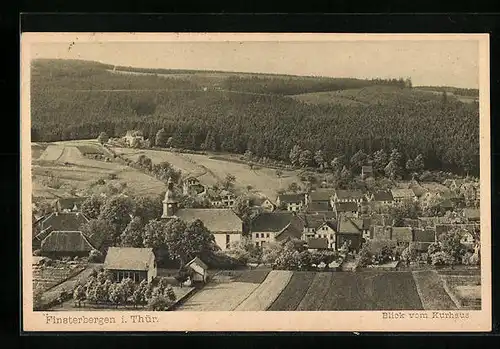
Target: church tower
[(170, 203)]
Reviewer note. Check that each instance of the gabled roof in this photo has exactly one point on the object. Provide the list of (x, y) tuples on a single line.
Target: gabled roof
[(271, 221), (128, 258), (312, 220), (383, 195), (424, 235), (380, 219), (402, 193), (291, 198), (293, 230), (64, 221), (318, 207), (69, 203), (317, 243), (198, 261), (215, 220), (402, 234), (331, 224), (321, 195), (346, 206), (361, 223), (66, 241), (349, 194), (379, 232), (347, 226), (410, 222), (472, 213)]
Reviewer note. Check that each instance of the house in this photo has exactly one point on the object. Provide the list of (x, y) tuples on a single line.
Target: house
[(317, 244), (268, 206), (319, 226), (364, 226), (366, 171), (401, 195), (290, 202), (402, 235), (318, 207), (57, 221), (348, 232), (198, 270), (380, 232), (192, 186), (356, 196), (422, 238), (223, 223), (71, 244), (472, 214), (346, 208), (269, 227), (129, 262), (382, 197), (69, 204), (224, 199), (320, 196), (133, 136)]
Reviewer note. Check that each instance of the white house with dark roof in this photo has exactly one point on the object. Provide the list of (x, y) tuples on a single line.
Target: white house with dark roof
[(291, 202), (129, 262), (400, 195), (198, 270), (340, 195), (69, 204), (269, 227), (224, 224)]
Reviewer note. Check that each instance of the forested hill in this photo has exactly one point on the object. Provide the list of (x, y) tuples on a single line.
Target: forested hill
[(262, 113)]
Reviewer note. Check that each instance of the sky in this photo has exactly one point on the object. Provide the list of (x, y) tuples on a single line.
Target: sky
[(433, 63)]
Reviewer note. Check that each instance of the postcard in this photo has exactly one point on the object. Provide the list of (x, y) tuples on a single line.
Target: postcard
[(255, 182)]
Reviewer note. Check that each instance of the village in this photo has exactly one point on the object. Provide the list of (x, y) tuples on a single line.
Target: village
[(99, 252)]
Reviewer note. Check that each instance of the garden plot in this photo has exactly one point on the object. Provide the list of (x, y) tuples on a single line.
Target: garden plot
[(294, 292), (464, 287), (317, 292), (262, 298), (372, 291)]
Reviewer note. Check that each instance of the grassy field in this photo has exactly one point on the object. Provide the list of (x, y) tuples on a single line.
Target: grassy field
[(211, 171), (464, 287), (431, 291), (62, 169), (294, 292)]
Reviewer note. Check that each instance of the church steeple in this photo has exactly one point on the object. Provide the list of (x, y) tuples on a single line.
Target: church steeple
[(170, 203)]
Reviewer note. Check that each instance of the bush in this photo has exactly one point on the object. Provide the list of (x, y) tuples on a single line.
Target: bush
[(159, 303), (112, 176), (37, 252), (442, 258), (95, 256)]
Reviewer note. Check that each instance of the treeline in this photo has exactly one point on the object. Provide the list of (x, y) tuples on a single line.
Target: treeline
[(471, 92)]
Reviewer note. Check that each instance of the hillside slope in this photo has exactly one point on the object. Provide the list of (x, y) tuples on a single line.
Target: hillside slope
[(235, 112)]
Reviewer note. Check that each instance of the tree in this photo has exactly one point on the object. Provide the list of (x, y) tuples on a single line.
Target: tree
[(450, 244), (117, 211), (155, 234), (79, 294), (169, 292), (442, 258), (319, 158), (431, 205), (405, 209), (95, 256), (409, 255), (128, 287), (293, 187), (396, 157), (100, 232), (358, 160), (410, 166), (148, 208), (161, 138), (228, 182), (305, 158), (294, 155), (337, 164), (391, 170), (380, 160), (91, 207), (418, 163), (37, 297), (159, 303), (289, 258), (103, 138), (188, 241), (116, 294), (139, 295), (243, 209), (270, 252), (132, 236), (145, 162)]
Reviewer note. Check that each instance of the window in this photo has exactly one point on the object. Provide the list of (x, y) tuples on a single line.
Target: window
[(256, 244), (331, 236), (228, 240), (267, 235)]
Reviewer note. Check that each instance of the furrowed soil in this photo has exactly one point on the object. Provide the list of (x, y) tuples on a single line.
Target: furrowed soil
[(316, 293), (290, 298), (262, 298)]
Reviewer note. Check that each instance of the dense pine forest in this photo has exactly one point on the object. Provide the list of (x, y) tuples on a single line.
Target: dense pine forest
[(257, 112)]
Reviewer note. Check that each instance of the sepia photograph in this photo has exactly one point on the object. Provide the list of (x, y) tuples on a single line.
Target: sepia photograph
[(319, 182)]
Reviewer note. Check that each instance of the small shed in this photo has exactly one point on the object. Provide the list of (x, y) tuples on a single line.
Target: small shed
[(198, 270)]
